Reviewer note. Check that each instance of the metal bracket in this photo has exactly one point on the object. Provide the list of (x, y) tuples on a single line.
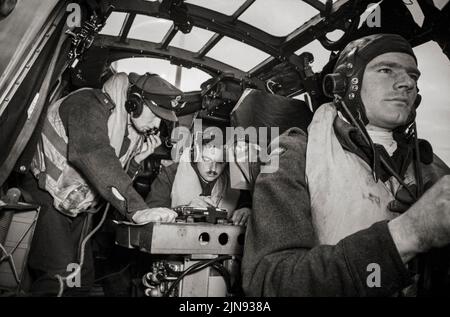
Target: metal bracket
[(83, 39)]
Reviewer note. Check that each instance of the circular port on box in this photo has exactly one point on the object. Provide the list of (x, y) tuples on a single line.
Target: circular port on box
[(241, 239), (223, 238), (204, 238)]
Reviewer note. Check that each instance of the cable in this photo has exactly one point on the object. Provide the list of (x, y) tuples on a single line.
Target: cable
[(225, 274), (363, 132), (417, 170), (82, 251), (112, 274), (170, 270), (368, 140), (269, 84), (243, 172), (86, 239), (424, 260), (191, 270), (194, 269)]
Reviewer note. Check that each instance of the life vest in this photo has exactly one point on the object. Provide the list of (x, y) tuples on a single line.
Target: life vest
[(344, 195)]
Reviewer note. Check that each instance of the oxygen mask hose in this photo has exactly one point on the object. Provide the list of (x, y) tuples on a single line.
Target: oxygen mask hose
[(368, 141)]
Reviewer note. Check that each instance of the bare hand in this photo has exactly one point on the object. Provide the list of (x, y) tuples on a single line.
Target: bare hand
[(240, 216), (426, 224), (154, 215), (148, 148)]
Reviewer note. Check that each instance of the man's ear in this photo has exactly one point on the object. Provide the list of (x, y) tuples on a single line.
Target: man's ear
[(412, 114), (417, 101), (411, 117)]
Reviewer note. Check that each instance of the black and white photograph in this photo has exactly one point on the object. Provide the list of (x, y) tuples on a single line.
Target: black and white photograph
[(224, 153)]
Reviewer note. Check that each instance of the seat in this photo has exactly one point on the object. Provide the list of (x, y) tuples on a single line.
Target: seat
[(258, 109)]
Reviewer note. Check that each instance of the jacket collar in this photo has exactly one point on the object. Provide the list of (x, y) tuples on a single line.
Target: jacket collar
[(352, 141)]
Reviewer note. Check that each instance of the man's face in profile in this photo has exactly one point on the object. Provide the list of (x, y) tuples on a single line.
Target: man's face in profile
[(211, 164), (389, 89), (146, 121)]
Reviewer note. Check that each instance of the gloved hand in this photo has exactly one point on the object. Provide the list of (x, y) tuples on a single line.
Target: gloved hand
[(403, 199), (154, 215)]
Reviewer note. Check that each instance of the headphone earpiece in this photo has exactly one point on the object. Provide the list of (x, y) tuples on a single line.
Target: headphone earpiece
[(134, 104), (333, 84)]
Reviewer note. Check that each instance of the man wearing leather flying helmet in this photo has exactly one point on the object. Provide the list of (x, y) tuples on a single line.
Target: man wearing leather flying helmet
[(347, 197), (93, 142)]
